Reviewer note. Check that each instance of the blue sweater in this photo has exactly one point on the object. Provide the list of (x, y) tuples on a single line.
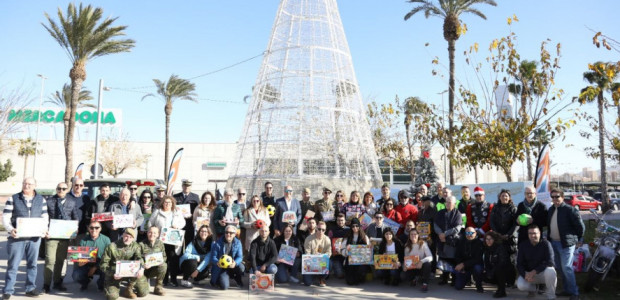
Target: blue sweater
[(192, 253)]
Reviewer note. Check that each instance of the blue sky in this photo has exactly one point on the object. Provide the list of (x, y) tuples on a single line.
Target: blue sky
[(190, 38)]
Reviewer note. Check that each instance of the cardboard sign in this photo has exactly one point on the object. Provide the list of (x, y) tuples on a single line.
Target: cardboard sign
[(63, 229), (261, 283), (172, 236), (127, 268), (82, 254), (392, 224), (122, 221), (365, 221), (411, 261), (287, 254), (153, 259), (386, 262), (289, 217), (360, 254), (185, 210), (339, 246), (102, 217), (424, 229), (30, 227), (314, 264)]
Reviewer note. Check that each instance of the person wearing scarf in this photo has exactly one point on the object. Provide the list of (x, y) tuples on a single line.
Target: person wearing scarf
[(195, 260)]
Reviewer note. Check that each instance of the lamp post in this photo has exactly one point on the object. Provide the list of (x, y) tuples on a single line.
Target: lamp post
[(36, 143), (445, 163), (97, 130)]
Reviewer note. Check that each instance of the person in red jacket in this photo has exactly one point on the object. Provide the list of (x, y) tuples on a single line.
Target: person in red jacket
[(406, 209), (479, 213), (390, 213)]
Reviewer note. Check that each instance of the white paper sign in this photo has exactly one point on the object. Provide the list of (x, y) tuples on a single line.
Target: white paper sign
[(30, 227), (122, 221), (63, 229)]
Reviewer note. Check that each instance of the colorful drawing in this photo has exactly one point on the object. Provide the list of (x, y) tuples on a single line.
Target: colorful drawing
[(360, 254), (185, 210), (261, 283), (424, 229), (350, 215), (172, 236), (102, 217), (127, 268), (304, 223), (123, 221), (314, 264), (144, 226), (31, 227), (365, 221), (386, 262), (392, 224), (202, 221), (287, 254), (411, 261), (153, 259), (328, 215), (289, 217), (339, 246), (82, 254), (63, 229)]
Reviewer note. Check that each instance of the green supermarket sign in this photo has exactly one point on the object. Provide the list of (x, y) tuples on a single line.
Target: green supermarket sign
[(56, 116)]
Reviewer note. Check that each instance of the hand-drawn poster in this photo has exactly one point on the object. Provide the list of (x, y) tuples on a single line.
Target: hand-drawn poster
[(63, 229), (328, 216), (261, 283), (30, 227), (360, 254), (392, 224), (289, 217), (424, 229), (365, 221), (386, 262), (102, 217), (411, 261), (127, 268), (200, 221), (153, 259), (304, 223), (339, 246), (314, 264), (82, 254), (287, 254), (123, 221), (172, 236), (185, 210)]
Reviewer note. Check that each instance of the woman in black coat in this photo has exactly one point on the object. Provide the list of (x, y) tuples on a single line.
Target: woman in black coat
[(391, 245), (504, 222), (497, 266), (354, 274), (287, 272)]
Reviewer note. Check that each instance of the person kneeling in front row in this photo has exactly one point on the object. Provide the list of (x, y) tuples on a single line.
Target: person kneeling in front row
[(231, 246), (535, 264)]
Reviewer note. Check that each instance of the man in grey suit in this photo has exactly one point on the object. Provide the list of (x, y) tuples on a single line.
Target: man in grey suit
[(284, 205)]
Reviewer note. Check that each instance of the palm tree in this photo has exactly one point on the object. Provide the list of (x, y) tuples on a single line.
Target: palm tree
[(601, 79), (175, 89), (25, 148), (63, 99), (83, 36), (449, 11), (526, 87)]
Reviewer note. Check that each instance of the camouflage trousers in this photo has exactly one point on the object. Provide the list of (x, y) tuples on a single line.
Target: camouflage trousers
[(157, 272), (113, 287)]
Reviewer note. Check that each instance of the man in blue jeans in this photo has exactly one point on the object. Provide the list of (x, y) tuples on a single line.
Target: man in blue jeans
[(565, 229), (229, 245), (84, 271), (25, 204)]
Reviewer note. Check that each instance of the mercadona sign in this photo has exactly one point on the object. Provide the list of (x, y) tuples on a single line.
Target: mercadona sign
[(55, 116)]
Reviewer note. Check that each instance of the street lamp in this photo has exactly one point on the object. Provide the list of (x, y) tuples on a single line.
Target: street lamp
[(36, 143), (445, 163), (99, 100)]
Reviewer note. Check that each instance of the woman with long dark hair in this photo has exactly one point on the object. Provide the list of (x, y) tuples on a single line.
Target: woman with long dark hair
[(195, 260), (497, 267), (391, 245), (417, 247), (287, 272), (354, 274)]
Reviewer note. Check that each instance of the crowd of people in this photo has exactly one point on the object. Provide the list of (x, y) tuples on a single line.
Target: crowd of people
[(470, 241)]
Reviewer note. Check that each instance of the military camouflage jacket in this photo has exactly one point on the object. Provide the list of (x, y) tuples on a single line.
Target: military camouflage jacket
[(119, 251), (158, 246)]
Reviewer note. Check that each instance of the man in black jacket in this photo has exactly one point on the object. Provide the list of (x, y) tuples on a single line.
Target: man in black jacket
[(535, 264), (536, 209), (187, 197), (263, 253), (565, 229), (82, 200), (468, 260)]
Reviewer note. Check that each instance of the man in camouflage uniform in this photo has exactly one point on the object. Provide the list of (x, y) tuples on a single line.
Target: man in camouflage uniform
[(123, 249), (153, 245)]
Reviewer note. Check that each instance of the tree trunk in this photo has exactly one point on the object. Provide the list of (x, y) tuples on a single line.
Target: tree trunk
[(476, 173), (601, 146), (528, 161), (508, 173), (25, 166), (410, 149), (168, 111), (451, 50), (76, 87)]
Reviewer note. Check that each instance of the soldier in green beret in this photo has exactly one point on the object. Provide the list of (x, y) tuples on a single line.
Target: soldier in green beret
[(123, 249)]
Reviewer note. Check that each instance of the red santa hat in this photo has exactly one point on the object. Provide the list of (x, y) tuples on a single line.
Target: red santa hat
[(478, 191)]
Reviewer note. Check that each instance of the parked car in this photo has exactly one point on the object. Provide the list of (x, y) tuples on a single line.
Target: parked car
[(581, 202), (614, 199)]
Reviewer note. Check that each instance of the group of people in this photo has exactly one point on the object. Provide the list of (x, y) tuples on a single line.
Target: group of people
[(465, 239)]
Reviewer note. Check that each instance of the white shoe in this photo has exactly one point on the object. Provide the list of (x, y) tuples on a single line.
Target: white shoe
[(294, 280), (186, 284)]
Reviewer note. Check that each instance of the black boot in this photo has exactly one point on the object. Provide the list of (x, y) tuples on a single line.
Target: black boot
[(444, 279), (499, 294)]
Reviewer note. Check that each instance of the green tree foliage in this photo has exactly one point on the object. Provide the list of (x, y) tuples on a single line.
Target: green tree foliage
[(84, 36), (6, 170)]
